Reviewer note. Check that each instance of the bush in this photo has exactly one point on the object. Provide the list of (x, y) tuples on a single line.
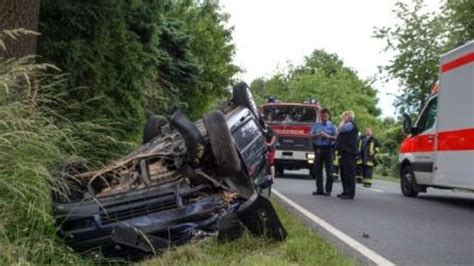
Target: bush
[(33, 139)]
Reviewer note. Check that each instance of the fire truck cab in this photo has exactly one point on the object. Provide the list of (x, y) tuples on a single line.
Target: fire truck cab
[(439, 149), (292, 123)]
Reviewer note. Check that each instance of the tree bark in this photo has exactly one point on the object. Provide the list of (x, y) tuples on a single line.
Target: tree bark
[(16, 14)]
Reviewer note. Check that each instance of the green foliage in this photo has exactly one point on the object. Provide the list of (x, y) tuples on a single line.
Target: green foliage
[(33, 138), (133, 58), (460, 17), (418, 39), (324, 77), (211, 45), (391, 135)]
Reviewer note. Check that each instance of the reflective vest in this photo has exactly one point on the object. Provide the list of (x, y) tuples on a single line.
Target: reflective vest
[(367, 148)]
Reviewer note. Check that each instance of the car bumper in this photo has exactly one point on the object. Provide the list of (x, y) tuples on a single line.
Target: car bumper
[(173, 216)]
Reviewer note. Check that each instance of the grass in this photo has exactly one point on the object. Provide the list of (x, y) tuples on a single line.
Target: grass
[(33, 140), (303, 247)]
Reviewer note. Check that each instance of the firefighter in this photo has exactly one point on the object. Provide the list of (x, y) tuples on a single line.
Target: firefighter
[(346, 144), (271, 140), (368, 146)]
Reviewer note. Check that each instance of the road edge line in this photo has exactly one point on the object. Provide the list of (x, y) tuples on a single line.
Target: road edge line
[(352, 243)]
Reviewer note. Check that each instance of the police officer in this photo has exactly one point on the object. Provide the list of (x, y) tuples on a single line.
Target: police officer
[(324, 134), (346, 144), (368, 147)]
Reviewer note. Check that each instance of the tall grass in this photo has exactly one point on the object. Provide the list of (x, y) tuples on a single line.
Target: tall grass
[(33, 139)]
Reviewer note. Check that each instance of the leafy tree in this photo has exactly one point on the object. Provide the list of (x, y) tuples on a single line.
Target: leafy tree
[(417, 40), (135, 57), (460, 17), (213, 51), (324, 76)]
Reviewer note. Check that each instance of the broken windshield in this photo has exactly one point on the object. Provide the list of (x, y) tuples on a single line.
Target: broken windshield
[(290, 114)]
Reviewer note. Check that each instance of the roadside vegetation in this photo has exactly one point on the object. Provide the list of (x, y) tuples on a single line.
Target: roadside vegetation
[(303, 247), (32, 139)]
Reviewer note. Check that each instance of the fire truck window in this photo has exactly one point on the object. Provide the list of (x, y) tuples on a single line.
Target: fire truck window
[(290, 114)]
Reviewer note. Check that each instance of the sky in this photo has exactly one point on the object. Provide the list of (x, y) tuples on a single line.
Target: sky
[(270, 33)]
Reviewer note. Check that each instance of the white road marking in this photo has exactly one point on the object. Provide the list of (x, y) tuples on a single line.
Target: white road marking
[(373, 189), (359, 247)]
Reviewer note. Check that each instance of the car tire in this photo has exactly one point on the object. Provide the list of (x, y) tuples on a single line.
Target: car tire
[(153, 127), (222, 146), (408, 182), (190, 133)]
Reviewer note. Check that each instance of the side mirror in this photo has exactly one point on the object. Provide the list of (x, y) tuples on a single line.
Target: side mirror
[(407, 125)]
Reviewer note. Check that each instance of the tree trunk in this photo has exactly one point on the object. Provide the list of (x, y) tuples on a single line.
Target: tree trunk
[(16, 14)]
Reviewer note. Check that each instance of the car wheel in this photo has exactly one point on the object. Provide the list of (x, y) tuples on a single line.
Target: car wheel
[(408, 182), (153, 127), (191, 135), (222, 146), (241, 95)]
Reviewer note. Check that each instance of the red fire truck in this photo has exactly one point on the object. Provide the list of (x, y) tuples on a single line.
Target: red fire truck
[(292, 123)]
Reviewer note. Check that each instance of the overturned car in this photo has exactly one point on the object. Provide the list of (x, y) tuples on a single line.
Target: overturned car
[(187, 180)]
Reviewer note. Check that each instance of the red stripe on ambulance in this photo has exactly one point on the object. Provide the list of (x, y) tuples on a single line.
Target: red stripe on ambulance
[(456, 140), (459, 62)]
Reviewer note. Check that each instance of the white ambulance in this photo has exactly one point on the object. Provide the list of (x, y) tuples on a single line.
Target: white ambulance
[(439, 149)]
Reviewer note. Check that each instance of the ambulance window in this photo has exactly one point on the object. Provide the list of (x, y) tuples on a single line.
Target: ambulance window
[(428, 119)]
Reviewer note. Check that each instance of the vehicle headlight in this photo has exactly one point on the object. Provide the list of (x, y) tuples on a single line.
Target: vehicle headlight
[(310, 157)]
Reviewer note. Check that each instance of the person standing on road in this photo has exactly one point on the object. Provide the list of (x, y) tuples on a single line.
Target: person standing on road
[(368, 147), (346, 144), (324, 134), (271, 146)]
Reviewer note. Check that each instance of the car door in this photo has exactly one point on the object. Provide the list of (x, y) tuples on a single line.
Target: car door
[(424, 143)]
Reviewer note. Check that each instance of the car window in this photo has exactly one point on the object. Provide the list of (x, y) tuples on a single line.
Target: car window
[(251, 144), (428, 118), (289, 114)]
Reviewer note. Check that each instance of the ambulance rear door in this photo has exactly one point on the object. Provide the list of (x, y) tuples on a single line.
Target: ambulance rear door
[(454, 159)]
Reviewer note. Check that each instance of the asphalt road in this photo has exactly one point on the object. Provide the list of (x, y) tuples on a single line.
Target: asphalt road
[(437, 228)]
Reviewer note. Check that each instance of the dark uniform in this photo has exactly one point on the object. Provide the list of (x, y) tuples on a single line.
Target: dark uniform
[(368, 148), (346, 144)]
